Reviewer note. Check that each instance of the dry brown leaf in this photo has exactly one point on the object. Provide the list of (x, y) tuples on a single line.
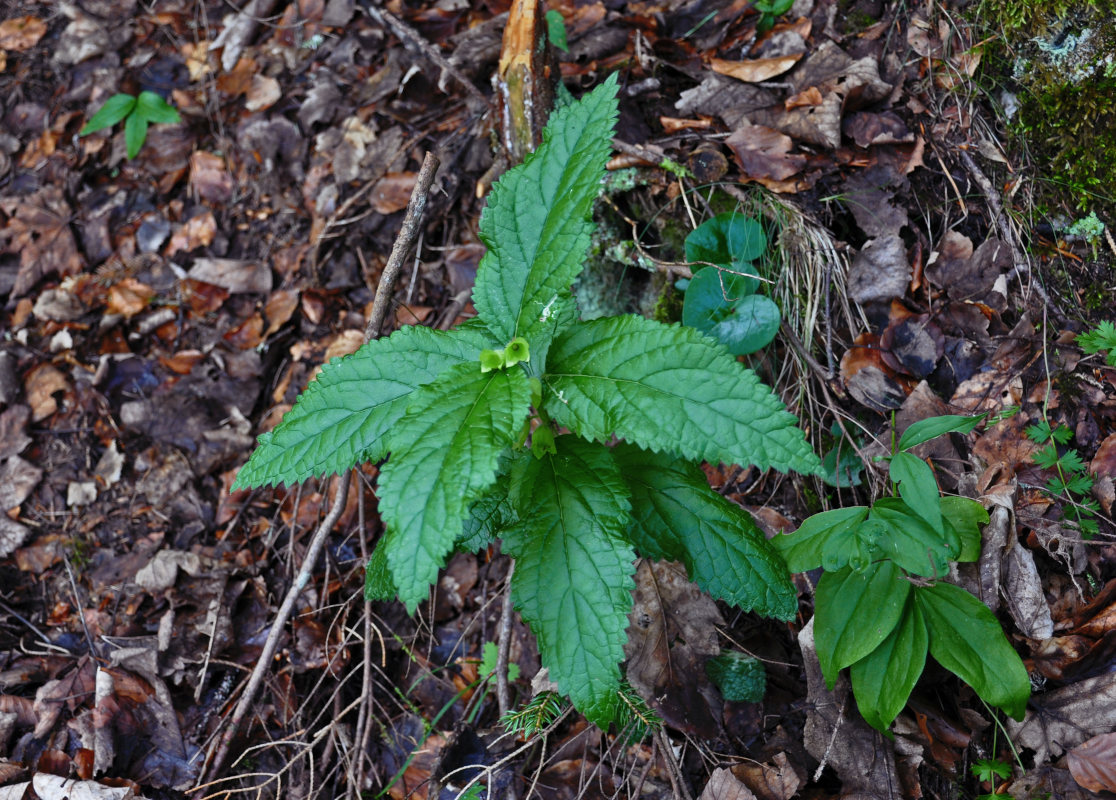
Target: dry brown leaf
[(129, 297), (13, 430), (775, 781), (198, 232), (247, 334), (755, 70), (41, 384), (723, 785), (39, 232), (209, 179), (1064, 718), (263, 92), (673, 630), (869, 379), (764, 152), (880, 270), (21, 33), (279, 308), (393, 192), (1093, 764), (818, 124), (236, 275)]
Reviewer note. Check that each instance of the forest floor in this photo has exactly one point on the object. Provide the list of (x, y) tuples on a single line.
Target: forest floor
[(160, 312)]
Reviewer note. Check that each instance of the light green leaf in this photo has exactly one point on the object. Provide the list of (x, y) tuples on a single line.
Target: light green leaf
[(344, 416), (668, 388), (740, 677), (538, 221), (115, 109), (677, 517), (556, 30), (966, 516), (445, 452), (917, 487), (378, 583), (573, 569), (968, 641), (828, 532), (854, 612), (882, 681), (135, 132), (926, 429), (910, 541), (153, 108)]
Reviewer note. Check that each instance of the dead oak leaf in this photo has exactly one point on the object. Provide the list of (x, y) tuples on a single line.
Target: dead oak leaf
[(39, 231)]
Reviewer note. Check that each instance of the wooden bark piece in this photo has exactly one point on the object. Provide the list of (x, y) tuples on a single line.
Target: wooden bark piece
[(525, 80)]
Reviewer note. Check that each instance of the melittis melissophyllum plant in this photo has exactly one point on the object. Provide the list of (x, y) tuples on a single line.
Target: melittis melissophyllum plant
[(501, 429)]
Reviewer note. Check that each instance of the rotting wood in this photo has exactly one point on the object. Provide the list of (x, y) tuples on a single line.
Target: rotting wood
[(525, 80)]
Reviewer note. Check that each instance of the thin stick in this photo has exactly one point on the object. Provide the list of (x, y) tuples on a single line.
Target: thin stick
[(403, 244), (503, 696), (407, 235)]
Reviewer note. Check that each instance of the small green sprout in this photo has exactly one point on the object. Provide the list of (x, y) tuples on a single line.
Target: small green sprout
[(137, 112)]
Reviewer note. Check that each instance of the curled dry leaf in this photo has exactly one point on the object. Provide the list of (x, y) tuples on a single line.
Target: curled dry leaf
[(869, 379), (755, 70), (1093, 764), (41, 385)]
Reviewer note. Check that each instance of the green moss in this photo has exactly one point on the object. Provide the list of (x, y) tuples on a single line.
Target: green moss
[(1036, 17)]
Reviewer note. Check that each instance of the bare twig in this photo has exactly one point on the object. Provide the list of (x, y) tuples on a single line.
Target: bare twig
[(403, 244), (407, 235), (414, 41), (503, 696), (1022, 266)]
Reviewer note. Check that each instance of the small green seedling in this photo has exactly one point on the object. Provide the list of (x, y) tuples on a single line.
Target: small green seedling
[(986, 769), (137, 112), (721, 299), (770, 10), (740, 677), (453, 412), (1071, 482), (1102, 339), (881, 606)]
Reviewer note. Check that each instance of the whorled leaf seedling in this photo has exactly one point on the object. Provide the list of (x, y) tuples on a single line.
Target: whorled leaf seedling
[(500, 428)]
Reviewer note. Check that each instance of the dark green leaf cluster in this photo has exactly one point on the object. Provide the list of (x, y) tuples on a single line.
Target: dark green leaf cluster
[(499, 430), (137, 112), (1100, 339), (878, 607), (1071, 481), (721, 300)]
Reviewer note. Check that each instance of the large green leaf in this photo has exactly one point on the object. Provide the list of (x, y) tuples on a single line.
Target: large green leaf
[(573, 569), (718, 304), (854, 612), (926, 429), (917, 487), (966, 516), (677, 516), (729, 239), (882, 680), (445, 451), (910, 540), (968, 641), (115, 109), (538, 221), (345, 414), (668, 388), (832, 539)]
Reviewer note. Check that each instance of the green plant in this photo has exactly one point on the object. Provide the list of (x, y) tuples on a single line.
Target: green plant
[(769, 11), (985, 769), (1101, 339), (721, 299), (570, 510), (740, 677), (1071, 481), (137, 112), (880, 605)]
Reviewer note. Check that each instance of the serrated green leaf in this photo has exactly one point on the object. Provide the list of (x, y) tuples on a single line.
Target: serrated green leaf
[(488, 517), (731, 239), (346, 413), (827, 538), (378, 583), (135, 132), (854, 612), (538, 221), (966, 516), (677, 517), (917, 487), (153, 108), (911, 542), (882, 680), (573, 569), (926, 429), (445, 452), (740, 677), (115, 109), (968, 641), (668, 388)]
